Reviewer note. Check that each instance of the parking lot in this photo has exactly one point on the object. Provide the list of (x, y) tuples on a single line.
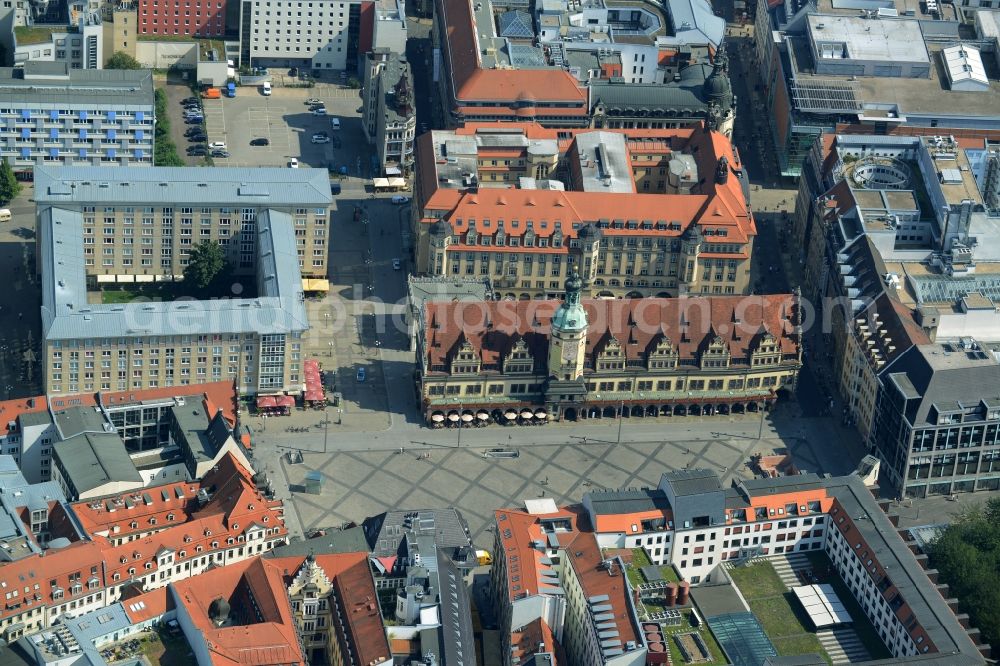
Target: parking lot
[(284, 119)]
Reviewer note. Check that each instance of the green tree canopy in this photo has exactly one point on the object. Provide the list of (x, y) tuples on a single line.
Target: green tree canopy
[(967, 557), (122, 60), (9, 187), (205, 263)]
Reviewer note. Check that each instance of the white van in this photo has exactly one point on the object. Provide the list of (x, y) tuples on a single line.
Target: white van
[(265, 88), (335, 123), (5, 215)]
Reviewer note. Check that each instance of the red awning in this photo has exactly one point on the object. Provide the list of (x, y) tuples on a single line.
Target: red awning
[(267, 401), (314, 395), (285, 401)]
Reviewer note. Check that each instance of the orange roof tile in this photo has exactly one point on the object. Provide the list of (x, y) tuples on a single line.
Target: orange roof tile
[(215, 396), (35, 577), (148, 605), (113, 516), (585, 556), (352, 579), (719, 207), (235, 507), (272, 640), (472, 83), (10, 410), (492, 328)]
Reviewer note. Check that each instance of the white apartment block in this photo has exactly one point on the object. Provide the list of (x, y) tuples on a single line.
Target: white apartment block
[(311, 34), (53, 115)]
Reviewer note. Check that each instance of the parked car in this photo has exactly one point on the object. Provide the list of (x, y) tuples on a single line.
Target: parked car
[(293, 163), (198, 138), (400, 199), (319, 138), (319, 111), (197, 120), (220, 145), (189, 100), (335, 123), (220, 153), (361, 375), (260, 142), (193, 130), (312, 101), (197, 151), (396, 264)]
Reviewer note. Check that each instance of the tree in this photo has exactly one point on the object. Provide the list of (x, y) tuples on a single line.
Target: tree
[(122, 60), (205, 263), (9, 187)]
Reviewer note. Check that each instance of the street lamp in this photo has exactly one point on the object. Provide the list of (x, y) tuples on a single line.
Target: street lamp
[(621, 417)]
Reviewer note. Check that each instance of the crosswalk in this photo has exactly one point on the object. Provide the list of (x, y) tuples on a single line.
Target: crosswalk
[(841, 643)]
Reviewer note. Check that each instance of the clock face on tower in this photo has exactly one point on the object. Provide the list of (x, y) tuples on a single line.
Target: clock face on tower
[(568, 353)]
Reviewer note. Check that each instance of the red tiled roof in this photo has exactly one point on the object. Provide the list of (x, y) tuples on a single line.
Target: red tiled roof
[(472, 83), (235, 507), (492, 328), (103, 516), (535, 637), (720, 207), (33, 577), (518, 529), (270, 641), (148, 605), (11, 409), (352, 579), (585, 556), (215, 396)]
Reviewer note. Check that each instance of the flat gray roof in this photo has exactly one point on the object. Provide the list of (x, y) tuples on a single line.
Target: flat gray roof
[(66, 315), (183, 186), (91, 460), (45, 84), (691, 481), (604, 162), (889, 40), (909, 96), (75, 420)]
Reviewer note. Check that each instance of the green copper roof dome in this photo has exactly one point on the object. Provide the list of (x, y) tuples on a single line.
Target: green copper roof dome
[(571, 316)]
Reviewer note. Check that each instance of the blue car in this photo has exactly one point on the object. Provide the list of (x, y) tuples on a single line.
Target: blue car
[(361, 375)]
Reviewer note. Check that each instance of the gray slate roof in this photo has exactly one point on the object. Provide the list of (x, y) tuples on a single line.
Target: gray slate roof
[(66, 315), (691, 481), (606, 502), (931, 375), (695, 23), (92, 460), (351, 540), (954, 646), (75, 420), (183, 186), (386, 530), (684, 96), (51, 85)]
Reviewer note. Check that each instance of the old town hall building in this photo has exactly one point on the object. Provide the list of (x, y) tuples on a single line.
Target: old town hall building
[(530, 361)]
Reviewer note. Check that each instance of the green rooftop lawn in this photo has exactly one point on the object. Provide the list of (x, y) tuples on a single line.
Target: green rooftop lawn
[(37, 34), (800, 644), (776, 615), (166, 291), (757, 580), (783, 619)]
